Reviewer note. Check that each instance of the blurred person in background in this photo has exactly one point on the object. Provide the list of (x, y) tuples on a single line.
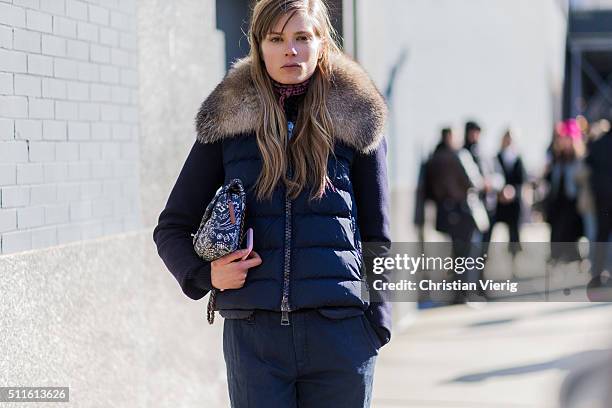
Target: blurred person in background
[(451, 176), (561, 210), (599, 161), (509, 202)]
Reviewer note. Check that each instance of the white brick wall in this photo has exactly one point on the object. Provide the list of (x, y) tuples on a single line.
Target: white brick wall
[(68, 121)]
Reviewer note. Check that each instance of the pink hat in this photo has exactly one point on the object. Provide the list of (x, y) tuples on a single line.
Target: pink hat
[(569, 128)]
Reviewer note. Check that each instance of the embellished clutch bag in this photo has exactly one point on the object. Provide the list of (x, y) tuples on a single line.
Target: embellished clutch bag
[(221, 229)]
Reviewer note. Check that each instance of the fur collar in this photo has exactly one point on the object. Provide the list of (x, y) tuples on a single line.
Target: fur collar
[(357, 108)]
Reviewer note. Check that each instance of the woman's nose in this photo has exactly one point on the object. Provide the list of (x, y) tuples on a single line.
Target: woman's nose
[(291, 50)]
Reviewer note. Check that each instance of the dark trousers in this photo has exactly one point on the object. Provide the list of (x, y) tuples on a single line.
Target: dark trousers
[(315, 362), (604, 229)]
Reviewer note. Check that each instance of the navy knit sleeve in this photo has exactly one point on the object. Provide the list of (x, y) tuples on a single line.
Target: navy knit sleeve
[(371, 190), (202, 174)]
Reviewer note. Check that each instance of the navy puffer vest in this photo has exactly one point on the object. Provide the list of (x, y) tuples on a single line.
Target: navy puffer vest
[(311, 251)]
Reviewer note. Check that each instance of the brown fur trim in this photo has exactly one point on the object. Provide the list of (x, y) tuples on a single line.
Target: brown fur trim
[(357, 108)]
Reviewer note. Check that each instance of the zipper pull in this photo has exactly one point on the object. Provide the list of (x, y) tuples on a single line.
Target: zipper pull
[(284, 318)]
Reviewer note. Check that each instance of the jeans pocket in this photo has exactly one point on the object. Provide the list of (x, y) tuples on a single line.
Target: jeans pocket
[(370, 333)]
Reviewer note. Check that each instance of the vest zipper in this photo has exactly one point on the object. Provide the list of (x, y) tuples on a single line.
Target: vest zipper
[(285, 307)]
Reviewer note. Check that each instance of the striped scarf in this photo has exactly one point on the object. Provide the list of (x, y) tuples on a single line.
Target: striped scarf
[(283, 91)]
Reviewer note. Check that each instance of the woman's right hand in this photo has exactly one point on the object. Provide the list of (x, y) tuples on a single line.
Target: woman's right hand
[(229, 272)]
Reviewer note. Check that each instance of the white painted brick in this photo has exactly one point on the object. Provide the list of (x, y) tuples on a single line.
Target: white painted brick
[(78, 49), (113, 227), (64, 27), (12, 16), (101, 93), (119, 57), (29, 173), (110, 112), (120, 94), (89, 111), (53, 45), (25, 40), (129, 77), (13, 106), (78, 131), (88, 72), (101, 170), (67, 151), (109, 74), (30, 217), (122, 169), (27, 85), (111, 151), (33, 4), (67, 192), (35, 20), (43, 194), (8, 174), (79, 171), (42, 151), (99, 53), (129, 151), (40, 108), (121, 131), (57, 213), (66, 110), (129, 186), (6, 37), (100, 131), (40, 65), (15, 196), (102, 208), (98, 15), (54, 130), (121, 206), (68, 233), (128, 6), (129, 114), (78, 91), (16, 241), (111, 4), (135, 132), (6, 83), (76, 9), (54, 88), (8, 220), (119, 21), (13, 152), (91, 230), (91, 190), (53, 6), (80, 211), (7, 129), (44, 237), (128, 41), (134, 97), (86, 31), (12, 61), (89, 151), (55, 172), (108, 36), (111, 188), (65, 68), (27, 129)]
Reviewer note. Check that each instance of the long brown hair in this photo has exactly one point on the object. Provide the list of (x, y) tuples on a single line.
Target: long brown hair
[(312, 142)]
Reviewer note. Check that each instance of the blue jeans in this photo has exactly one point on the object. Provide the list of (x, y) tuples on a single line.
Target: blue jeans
[(315, 362)]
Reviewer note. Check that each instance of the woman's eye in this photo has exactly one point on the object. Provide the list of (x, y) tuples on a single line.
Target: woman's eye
[(303, 38), (275, 39)]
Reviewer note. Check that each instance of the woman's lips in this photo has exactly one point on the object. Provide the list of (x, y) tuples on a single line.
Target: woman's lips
[(290, 66)]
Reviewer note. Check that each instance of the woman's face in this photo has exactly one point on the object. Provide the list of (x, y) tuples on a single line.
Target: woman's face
[(291, 49)]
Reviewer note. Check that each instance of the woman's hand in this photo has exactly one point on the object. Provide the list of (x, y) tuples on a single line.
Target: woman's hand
[(229, 272)]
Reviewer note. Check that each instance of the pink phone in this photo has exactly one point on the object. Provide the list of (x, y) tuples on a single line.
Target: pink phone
[(249, 242)]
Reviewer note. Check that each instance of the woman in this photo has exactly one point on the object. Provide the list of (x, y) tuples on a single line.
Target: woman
[(562, 212), (508, 209), (301, 125)]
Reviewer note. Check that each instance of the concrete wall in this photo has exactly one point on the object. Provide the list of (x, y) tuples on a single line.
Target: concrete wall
[(68, 121), (499, 62), (104, 316)]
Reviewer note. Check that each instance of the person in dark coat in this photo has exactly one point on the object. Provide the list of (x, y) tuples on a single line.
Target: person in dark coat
[(301, 125), (562, 211), (600, 162), (509, 198)]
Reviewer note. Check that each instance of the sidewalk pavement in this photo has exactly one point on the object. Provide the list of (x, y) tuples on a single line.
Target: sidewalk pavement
[(505, 355)]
